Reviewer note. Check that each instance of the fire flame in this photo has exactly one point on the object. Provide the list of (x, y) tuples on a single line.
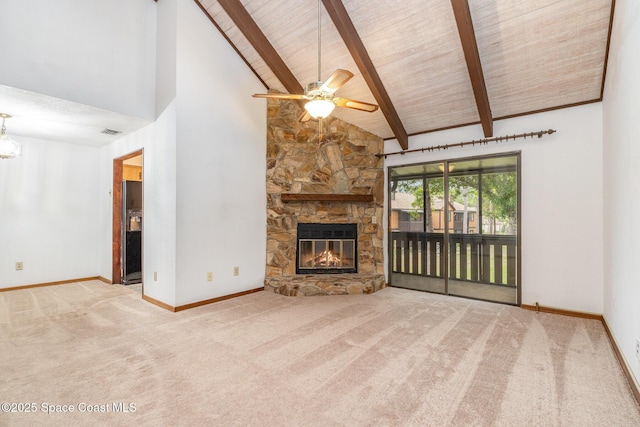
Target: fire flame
[(327, 259)]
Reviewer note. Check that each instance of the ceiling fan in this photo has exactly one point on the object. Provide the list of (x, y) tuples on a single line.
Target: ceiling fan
[(321, 95)]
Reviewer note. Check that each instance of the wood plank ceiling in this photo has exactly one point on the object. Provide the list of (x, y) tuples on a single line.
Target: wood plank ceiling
[(428, 64)]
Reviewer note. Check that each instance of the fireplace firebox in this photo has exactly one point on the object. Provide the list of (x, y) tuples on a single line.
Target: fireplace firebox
[(327, 248)]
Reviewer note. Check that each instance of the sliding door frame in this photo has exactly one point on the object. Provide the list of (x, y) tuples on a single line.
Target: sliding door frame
[(445, 175)]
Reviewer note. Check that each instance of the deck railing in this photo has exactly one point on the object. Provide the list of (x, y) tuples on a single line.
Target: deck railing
[(484, 258)]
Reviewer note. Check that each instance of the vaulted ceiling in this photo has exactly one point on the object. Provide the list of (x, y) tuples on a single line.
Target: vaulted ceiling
[(428, 64)]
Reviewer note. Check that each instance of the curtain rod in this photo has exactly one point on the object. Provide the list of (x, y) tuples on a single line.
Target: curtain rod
[(473, 142)]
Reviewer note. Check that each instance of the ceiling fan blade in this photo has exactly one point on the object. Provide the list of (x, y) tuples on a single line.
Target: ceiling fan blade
[(336, 81), (279, 95), (305, 117), (355, 105)]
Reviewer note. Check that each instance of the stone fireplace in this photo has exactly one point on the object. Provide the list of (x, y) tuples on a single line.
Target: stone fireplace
[(330, 182)]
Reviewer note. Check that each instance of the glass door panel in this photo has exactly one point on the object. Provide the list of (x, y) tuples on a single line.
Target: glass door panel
[(463, 227), (483, 233), (417, 226)]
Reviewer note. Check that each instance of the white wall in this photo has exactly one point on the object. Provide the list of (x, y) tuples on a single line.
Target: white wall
[(58, 196), (49, 206), (204, 168), (621, 182), (221, 151), (166, 51), (159, 192), (158, 141), (94, 52), (561, 200)]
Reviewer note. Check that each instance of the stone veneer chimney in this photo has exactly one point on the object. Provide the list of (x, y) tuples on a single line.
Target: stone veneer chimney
[(344, 162)]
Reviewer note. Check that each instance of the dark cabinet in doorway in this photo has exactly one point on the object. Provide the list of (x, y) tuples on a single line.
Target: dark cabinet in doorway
[(132, 232)]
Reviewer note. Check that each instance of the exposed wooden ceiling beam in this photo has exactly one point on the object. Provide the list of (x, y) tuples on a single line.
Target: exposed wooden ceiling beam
[(258, 40), (470, 47), (352, 40)]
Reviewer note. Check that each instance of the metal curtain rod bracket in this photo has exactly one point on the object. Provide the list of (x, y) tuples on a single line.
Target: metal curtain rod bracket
[(485, 141)]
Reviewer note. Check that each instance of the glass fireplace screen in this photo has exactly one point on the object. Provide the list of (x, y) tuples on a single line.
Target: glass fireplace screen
[(327, 248), (329, 254)]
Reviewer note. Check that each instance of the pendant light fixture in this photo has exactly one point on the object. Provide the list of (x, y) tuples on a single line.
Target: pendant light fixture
[(9, 149)]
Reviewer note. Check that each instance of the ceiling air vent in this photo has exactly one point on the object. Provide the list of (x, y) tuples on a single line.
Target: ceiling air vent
[(110, 132)]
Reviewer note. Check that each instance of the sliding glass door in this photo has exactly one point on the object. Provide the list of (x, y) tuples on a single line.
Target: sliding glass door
[(454, 227)]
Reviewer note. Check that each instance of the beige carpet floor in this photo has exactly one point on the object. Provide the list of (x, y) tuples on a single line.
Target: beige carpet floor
[(394, 358)]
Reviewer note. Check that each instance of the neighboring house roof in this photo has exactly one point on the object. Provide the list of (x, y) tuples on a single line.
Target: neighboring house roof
[(457, 206), (404, 202)]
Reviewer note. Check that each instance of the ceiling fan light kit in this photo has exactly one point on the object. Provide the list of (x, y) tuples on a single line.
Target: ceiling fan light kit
[(9, 149), (319, 108)]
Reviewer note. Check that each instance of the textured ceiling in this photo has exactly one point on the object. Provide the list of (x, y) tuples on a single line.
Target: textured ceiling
[(533, 54), (44, 117)]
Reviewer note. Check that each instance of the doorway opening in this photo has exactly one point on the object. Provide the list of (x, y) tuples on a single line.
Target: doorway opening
[(455, 227), (127, 254)]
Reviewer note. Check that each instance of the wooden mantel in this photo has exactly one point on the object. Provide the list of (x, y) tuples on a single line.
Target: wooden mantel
[(308, 197)]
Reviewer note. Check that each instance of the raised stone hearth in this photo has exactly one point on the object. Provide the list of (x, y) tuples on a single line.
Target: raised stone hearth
[(325, 284), (336, 179)]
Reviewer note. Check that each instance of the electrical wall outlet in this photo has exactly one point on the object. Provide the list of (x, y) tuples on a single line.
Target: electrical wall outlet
[(236, 271), (155, 276), (638, 348), (209, 277), (19, 265)]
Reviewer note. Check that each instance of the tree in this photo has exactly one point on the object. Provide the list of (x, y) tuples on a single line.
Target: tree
[(500, 198), (434, 189)]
